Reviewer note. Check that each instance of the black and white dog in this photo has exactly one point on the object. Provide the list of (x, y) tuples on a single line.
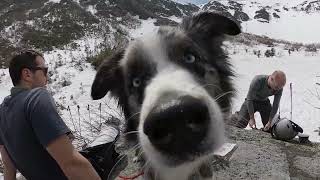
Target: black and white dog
[(174, 88)]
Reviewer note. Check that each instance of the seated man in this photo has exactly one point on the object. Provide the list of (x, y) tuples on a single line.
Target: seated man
[(33, 137), (261, 87)]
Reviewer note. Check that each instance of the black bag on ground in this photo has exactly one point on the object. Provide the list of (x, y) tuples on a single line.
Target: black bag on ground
[(102, 157)]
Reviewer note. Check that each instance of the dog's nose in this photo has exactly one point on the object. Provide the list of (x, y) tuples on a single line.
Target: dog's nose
[(177, 125)]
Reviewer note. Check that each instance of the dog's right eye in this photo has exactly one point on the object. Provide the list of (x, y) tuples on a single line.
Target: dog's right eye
[(189, 58), (136, 82)]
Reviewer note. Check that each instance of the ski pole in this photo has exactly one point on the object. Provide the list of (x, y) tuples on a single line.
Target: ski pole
[(291, 101)]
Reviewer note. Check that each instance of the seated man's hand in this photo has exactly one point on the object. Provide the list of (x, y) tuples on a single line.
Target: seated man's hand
[(252, 123), (267, 126)]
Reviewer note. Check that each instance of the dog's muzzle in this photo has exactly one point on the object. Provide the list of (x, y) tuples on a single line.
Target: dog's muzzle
[(178, 126)]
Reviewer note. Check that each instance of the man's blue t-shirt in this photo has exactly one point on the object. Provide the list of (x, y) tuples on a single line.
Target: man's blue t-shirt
[(29, 121)]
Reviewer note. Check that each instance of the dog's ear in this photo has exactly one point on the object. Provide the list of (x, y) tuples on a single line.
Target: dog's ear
[(108, 76), (209, 24)]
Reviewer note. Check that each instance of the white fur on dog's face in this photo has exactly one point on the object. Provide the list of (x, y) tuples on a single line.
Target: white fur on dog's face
[(182, 83), (169, 78)]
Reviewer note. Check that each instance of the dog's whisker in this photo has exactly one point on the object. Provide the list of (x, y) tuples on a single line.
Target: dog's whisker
[(225, 109), (133, 115), (218, 88), (140, 154), (214, 85), (135, 147), (130, 132), (223, 94), (115, 165), (206, 85)]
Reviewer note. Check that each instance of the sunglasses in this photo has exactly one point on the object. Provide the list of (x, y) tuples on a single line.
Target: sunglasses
[(43, 69)]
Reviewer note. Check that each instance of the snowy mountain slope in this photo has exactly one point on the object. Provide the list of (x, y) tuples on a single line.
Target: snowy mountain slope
[(71, 75), (46, 25)]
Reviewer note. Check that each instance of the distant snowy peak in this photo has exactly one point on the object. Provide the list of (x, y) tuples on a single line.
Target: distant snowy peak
[(228, 8), (280, 19), (309, 7), (263, 10)]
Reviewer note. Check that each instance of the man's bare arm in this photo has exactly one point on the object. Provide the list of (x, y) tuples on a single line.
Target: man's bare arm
[(72, 163), (9, 168)]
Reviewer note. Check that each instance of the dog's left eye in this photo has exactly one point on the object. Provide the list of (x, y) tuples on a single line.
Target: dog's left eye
[(136, 82), (189, 58)]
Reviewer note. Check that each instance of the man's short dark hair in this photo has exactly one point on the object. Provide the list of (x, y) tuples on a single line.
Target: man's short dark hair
[(25, 59)]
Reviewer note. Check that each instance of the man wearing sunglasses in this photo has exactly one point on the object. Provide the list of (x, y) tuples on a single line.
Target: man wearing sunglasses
[(33, 137), (261, 87)]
